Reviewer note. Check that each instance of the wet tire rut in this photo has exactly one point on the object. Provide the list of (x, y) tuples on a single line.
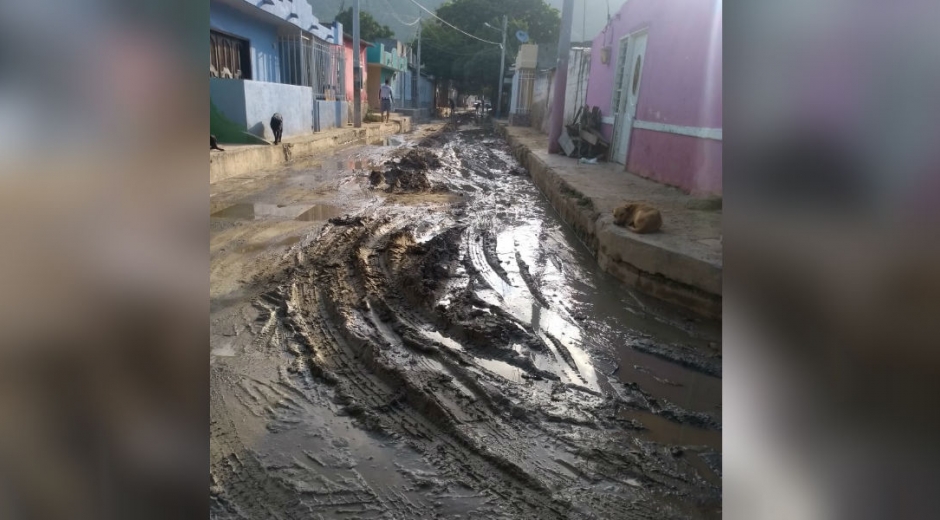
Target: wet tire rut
[(426, 326)]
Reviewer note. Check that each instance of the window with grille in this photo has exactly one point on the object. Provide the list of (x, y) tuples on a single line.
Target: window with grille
[(618, 79), (228, 57)]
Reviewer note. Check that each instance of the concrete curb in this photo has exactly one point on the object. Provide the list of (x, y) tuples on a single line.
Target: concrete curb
[(242, 160), (665, 274)]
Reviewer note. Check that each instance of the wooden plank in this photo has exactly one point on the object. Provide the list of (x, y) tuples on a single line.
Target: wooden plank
[(565, 141), (588, 137)]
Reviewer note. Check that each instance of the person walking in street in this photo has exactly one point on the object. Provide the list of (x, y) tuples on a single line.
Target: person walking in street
[(453, 107), (386, 96)]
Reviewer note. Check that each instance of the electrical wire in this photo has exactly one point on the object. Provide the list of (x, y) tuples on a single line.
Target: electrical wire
[(392, 10), (425, 9)]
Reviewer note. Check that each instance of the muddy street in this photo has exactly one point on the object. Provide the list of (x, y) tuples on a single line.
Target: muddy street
[(406, 329)]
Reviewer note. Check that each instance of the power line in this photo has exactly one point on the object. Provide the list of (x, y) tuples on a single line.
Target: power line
[(392, 10), (425, 9)]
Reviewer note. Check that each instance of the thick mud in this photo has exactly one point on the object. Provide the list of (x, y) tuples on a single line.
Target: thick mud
[(448, 350)]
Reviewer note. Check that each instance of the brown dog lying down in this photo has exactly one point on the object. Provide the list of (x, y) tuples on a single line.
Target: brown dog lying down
[(638, 217)]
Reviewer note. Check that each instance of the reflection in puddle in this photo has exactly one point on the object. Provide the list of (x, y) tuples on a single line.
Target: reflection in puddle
[(259, 246), (239, 211), (225, 351), (355, 165), (668, 432), (257, 211), (502, 368), (443, 340), (320, 212)]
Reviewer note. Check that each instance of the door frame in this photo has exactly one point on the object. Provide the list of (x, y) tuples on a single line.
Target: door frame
[(623, 124)]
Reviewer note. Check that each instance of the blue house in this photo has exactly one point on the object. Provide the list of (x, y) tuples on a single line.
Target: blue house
[(269, 56)]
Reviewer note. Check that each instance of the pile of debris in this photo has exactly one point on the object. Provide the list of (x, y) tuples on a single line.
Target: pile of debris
[(583, 138), (407, 174)]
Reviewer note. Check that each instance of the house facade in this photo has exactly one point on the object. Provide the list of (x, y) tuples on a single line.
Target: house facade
[(350, 86), (523, 85), (655, 73), (388, 59), (269, 56)]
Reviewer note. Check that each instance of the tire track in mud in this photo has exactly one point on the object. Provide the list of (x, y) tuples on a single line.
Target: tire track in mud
[(381, 385), (356, 312)]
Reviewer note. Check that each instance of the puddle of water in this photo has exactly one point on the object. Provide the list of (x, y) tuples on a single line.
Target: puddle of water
[(237, 211), (256, 211), (320, 212), (667, 432), (254, 247), (689, 389), (443, 340), (501, 368), (354, 165), (225, 351)]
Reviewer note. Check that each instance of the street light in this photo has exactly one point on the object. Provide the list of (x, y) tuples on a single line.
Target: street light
[(502, 67)]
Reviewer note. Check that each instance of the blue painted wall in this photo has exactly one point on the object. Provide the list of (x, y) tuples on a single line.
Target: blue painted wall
[(251, 103), (293, 102), (262, 38)]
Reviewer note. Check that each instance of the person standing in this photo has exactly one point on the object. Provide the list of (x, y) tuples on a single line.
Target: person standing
[(386, 96)]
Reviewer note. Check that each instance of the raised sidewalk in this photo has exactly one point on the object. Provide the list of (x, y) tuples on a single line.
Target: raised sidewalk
[(681, 264), (240, 159)]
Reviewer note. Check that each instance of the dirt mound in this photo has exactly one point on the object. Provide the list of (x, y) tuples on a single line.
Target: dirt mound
[(420, 159), (406, 181), (408, 174)]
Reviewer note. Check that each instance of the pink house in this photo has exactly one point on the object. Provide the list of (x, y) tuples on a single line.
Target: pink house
[(656, 76), (363, 45)]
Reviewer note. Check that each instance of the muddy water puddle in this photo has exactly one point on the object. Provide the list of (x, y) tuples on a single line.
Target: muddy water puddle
[(460, 353), (262, 211), (502, 368)]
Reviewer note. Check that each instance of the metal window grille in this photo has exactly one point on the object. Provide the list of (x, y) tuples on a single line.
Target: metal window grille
[(228, 57), (618, 79), (525, 91), (309, 62)]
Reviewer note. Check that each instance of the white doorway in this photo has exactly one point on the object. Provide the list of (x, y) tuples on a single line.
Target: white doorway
[(627, 91)]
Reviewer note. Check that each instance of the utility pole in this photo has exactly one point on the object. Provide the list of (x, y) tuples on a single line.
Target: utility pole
[(557, 122), (415, 88), (502, 70), (357, 69)]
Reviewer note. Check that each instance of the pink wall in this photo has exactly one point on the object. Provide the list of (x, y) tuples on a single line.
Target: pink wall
[(680, 85), (349, 71), (690, 163)]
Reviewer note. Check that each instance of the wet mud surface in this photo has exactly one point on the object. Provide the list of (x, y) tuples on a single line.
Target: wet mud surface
[(436, 343)]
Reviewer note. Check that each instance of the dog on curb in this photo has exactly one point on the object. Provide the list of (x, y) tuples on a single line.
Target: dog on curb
[(638, 217), (277, 127)]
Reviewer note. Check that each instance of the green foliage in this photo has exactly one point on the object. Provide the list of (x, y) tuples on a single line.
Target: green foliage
[(369, 29), (473, 64)]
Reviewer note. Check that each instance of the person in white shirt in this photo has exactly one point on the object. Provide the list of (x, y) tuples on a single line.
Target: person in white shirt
[(386, 95)]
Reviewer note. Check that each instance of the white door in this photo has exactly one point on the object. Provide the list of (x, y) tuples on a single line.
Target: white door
[(627, 93)]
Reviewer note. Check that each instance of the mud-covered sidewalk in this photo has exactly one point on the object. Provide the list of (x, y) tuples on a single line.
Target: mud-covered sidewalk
[(681, 264), (245, 159), (407, 330)]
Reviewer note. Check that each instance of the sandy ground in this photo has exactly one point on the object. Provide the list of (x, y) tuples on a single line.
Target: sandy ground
[(407, 330)]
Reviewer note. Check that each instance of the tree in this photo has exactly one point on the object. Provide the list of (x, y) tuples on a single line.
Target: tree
[(473, 64), (369, 29)]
